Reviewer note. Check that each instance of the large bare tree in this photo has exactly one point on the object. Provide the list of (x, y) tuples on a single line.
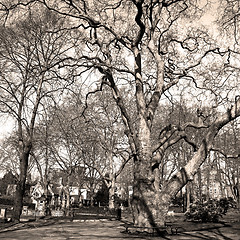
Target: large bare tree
[(160, 52)]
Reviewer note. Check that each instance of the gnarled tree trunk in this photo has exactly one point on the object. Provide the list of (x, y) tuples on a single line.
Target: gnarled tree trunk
[(150, 205)]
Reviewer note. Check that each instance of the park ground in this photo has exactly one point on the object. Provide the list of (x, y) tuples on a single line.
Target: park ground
[(95, 227)]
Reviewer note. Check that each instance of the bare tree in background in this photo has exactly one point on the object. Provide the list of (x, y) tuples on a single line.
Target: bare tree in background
[(29, 57)]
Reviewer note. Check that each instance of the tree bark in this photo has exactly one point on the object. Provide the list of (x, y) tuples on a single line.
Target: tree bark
[(146, 199), (111, 203), (188, 197), (67, 207), (20, 189)]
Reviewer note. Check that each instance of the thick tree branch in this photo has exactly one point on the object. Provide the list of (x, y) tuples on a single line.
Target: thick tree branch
[(130, 131), (236, 156), (187, 173), (166, 135), (139, 22), (123, 165)]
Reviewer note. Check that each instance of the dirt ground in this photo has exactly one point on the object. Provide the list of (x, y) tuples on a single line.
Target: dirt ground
[(97, 228)]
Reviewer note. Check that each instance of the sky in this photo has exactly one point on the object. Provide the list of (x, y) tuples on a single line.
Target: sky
[(6, 124)]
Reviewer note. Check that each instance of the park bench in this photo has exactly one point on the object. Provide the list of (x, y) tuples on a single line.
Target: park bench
[(173, 227), (132, 229), (171, 223)]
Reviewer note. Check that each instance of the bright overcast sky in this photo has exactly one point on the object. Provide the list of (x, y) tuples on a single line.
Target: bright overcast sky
[(7, 124)]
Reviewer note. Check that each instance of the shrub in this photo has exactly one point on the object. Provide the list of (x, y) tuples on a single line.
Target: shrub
[(208, 211), (227, 203)]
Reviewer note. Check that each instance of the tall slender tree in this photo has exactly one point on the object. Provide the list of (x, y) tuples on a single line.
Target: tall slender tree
[(30, 52)]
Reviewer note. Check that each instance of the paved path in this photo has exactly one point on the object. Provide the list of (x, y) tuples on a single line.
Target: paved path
[(104, 230)]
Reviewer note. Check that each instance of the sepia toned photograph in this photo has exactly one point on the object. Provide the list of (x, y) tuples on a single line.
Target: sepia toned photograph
[(119, 119)]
